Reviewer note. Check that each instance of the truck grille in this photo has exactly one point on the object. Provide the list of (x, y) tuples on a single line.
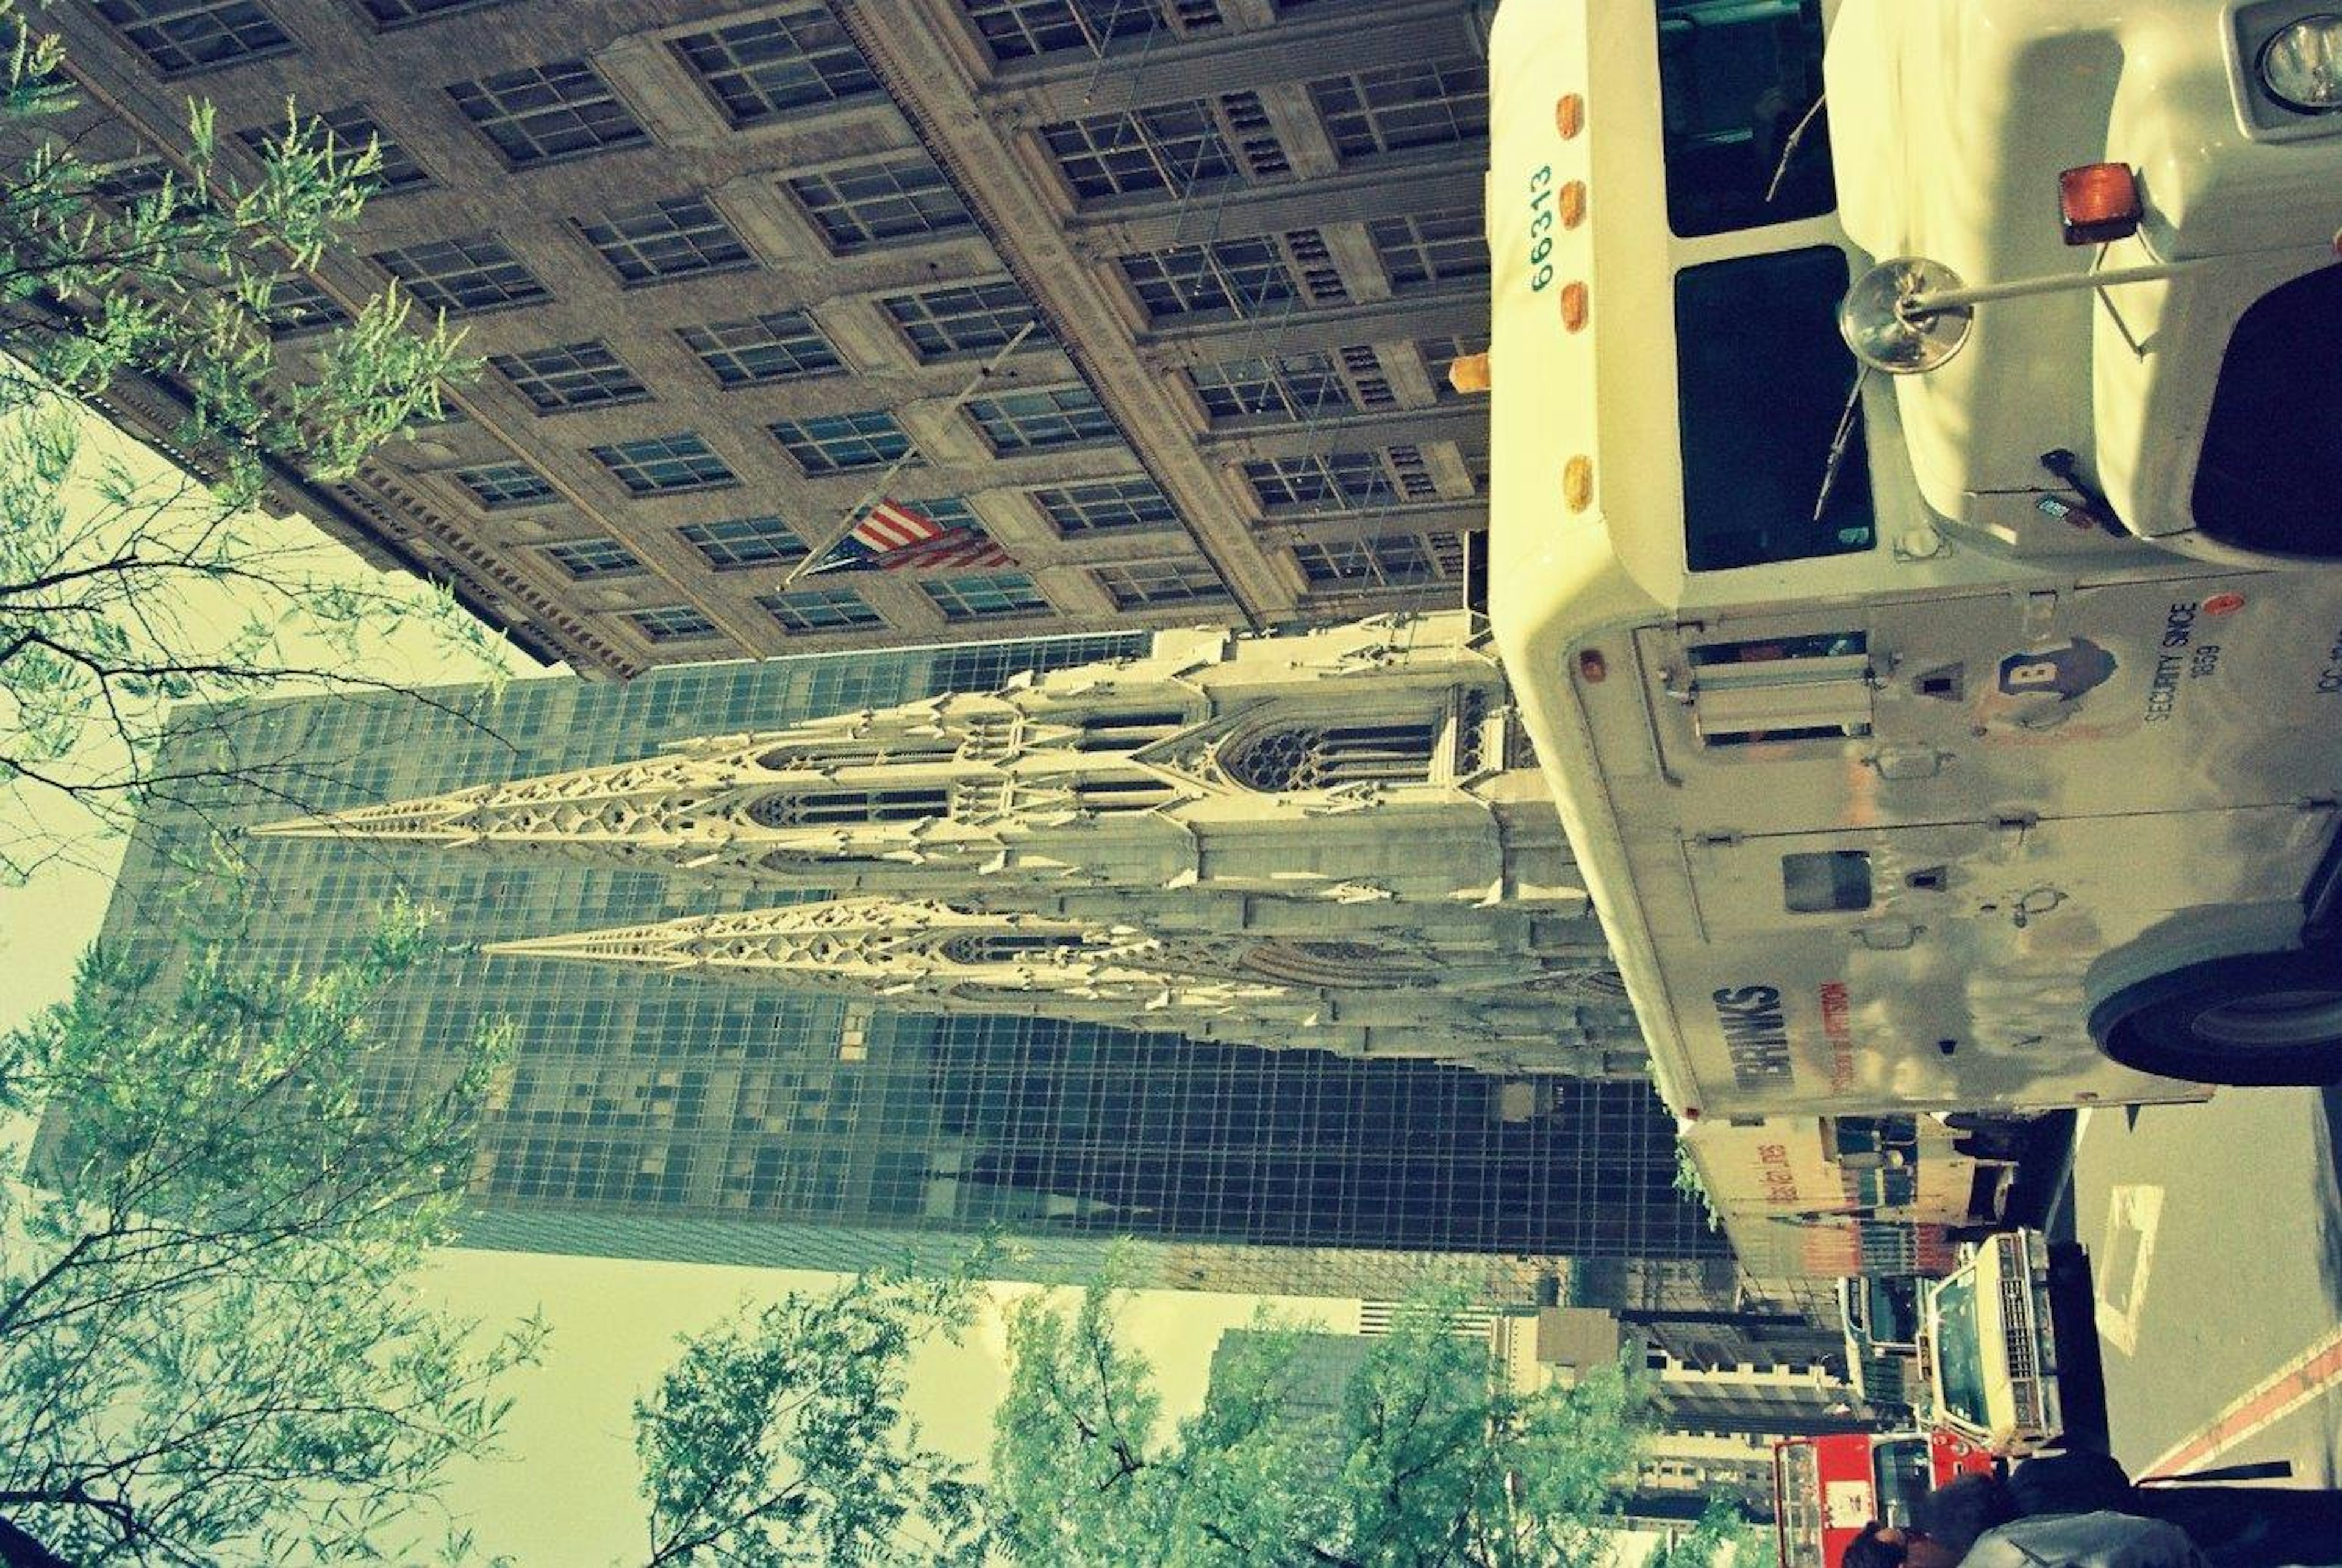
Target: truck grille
[(2272, 456), (2017, 1312)]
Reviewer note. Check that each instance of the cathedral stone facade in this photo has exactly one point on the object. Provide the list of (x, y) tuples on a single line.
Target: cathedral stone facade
[(1331, 840)]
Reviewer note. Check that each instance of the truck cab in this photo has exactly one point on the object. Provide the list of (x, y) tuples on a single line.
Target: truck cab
[(1991, 1347)]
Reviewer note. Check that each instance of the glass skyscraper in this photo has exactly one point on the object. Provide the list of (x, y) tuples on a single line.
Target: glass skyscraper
[(662, 1115)]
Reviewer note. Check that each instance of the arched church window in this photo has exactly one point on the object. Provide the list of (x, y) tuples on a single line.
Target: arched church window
[(811, 808), (1325, 757)]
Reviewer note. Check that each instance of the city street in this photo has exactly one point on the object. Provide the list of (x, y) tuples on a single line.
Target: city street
[(2214, 1232)]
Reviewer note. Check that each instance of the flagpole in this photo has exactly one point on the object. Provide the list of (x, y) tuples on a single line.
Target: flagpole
[(878, 486)]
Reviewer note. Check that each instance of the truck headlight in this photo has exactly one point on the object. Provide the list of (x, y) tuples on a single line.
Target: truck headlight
[(2301, 65)]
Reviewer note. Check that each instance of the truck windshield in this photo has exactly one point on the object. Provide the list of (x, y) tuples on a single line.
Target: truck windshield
[(1903, 1473), (1891, 1310), (1959, 1350), (1762, 377), (1736, 78)]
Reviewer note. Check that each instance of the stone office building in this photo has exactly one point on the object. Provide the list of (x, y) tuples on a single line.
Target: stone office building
[(1157, 293)]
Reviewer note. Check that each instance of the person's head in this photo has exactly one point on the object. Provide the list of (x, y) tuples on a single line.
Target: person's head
[(1893, 1546)]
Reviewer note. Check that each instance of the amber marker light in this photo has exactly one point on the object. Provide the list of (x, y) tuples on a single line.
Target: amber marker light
[(1578, 483), (1573, 306), (1573, 204), (1569, 115), (2098, 203)]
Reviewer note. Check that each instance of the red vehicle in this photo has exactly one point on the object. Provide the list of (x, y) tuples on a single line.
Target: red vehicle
[(1827, 1488)]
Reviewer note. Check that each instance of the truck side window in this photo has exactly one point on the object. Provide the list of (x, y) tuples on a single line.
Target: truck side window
[(1736, 77), (1761, 376)]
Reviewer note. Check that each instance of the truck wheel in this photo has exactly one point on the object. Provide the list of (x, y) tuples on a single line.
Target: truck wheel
[(2253, 1019)]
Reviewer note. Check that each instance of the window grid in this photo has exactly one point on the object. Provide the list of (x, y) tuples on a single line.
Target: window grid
[(1424, 248), (1293, 386), (124, 183), (352, 129), (1021, 29), (469, 272), (298, 303), (843, 442), (1050, 417), (1388, 560), (1326, 481), (501, 485), (767, 67), (570, 376), (1439, 352), (820, 610), (1236, 278), (1433, 104), (1171, 148), (965, 319), (777, 346), (676, 236), (596, 558), (984, 597), (673, 623), (660, 464), (398, 13), (540, 112), (181, 35), (894, 197), (737, 542), (1106, 505), (1138, 584)]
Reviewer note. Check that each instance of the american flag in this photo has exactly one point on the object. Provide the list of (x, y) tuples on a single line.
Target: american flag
[(892, 537)]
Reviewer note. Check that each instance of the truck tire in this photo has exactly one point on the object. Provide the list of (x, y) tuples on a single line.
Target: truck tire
[(2258, 1018)]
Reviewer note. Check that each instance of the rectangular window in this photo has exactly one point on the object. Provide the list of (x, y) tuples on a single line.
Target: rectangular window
[(676, 236), (770, 65), (673, 623), (1050, 417), (1435, 104), (1234, 278), (1388, 560), (1021, 29), (985, 596), (824, 609), (1105, 506), (1440, 353), (898, 196), (541, 112), (842, 443), (1762, 377), (1174, 149), (300, 304), (398, 13), (1735, 82), (657, 465), (353, 129), (963, 320), (571, 375), (499, 485), (738, 542), (1827, 881), (181, 35), (1428, 249), (1138, 584), (779, 346), (1322, 481), (469, 272), (1293, 386), (584, 558), (124, 183)]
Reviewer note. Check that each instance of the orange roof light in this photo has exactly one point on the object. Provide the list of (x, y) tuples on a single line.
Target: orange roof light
[(1569, 115), (2098, 203), (1573, 204), (1573, 306), (1577, 483)]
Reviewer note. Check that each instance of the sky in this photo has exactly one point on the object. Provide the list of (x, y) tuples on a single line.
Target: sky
[(565, 1493)]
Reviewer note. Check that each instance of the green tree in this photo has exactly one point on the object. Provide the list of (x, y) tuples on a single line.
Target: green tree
[(123, 589), (780, 1436), (1428, 1461), (211, 1349)]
